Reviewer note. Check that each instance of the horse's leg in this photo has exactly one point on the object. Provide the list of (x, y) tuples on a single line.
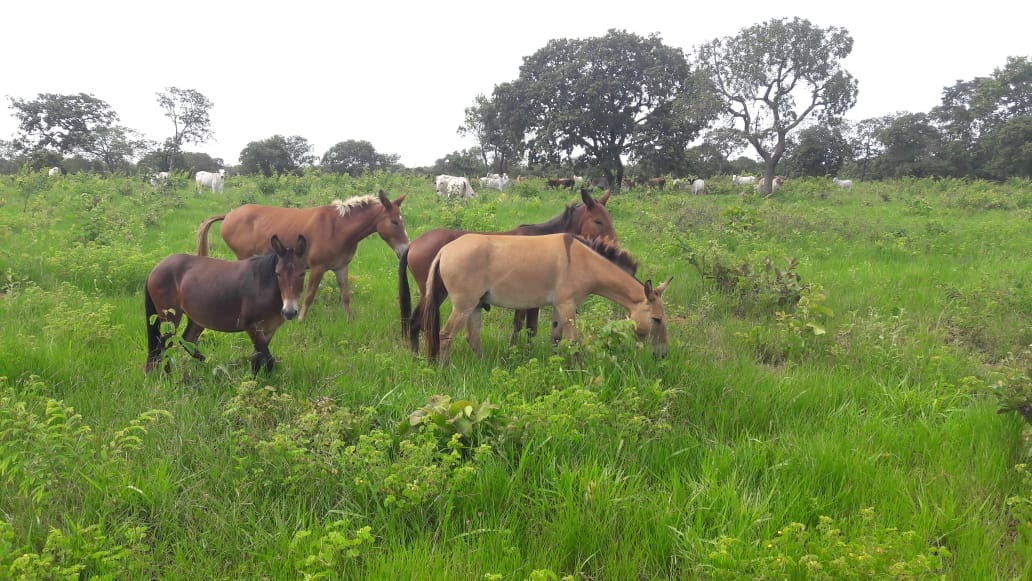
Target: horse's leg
[(313, 286), (532, 322), (563, 326), (473, 332), (456, 321), (345, 290), (517, 325), (416, 325), (190, 336), (261, 357)]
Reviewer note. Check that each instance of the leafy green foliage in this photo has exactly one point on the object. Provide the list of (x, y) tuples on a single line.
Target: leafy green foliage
[(472, 421)]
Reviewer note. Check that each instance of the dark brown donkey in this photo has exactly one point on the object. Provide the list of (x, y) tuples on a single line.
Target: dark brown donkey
[(333, 233), (589, 219), (255, 295)]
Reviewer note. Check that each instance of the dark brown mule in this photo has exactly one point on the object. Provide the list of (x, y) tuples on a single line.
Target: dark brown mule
[(589, 219), (525, 272), (254, 295), (333, 233)]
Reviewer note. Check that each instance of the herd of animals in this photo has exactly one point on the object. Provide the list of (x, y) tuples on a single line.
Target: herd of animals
[(557, 263)]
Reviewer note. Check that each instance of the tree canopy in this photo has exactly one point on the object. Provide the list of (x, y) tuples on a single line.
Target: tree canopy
[(188, 110), (276, 155), (601, 98), (63, 123), (773, 76), (356, 158)]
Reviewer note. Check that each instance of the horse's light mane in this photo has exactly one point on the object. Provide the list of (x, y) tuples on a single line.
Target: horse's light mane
[(344, 207)]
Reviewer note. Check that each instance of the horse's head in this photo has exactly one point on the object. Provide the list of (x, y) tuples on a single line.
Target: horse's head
[(649, 318), (391, 225), (592, 218), (291, 265)]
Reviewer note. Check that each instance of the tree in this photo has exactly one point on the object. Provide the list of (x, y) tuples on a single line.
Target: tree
[(355, 158), (188, 110), (118, 147), (460, 163), (865, 143), (820, 151), (63, 123), (500, 146), (601, 98), (773, 76), (912, 146), (276, 155), (1007, 149)]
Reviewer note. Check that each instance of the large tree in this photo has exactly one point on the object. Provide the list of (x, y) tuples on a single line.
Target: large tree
[(500, 145), (188, 110), (355, 158), (819, 150), (913, 146), (118, 147), (602, 99), (276, 155), (773, 76), (63, 123)]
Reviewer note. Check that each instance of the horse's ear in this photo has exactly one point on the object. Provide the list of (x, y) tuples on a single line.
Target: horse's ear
[(384, 199), (302, 245), (585, 197), (277, 246), (604, 198), (400, 199), (662, 287), (648, 289)]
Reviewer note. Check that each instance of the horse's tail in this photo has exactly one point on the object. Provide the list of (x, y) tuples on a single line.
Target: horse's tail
[(404, 295), (432, 310), (154, 343), (202, 234)]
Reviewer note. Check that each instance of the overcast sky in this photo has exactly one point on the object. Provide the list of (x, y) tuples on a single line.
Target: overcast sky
[(400, 74)]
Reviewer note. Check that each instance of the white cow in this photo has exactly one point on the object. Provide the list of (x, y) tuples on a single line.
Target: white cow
[(843, 184), (495, 181), (159, 179), (207, 179), (743, 180), (54, 171), (454, 187), (699, 187), (775, 184)]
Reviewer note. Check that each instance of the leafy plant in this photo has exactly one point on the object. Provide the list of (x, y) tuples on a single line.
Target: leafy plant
[(472, 421)]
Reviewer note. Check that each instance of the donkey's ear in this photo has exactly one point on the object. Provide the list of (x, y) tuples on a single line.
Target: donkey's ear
[(585, 197), (400, 199), (604, 198), (662, 287), (384, 199), (302, 245), (277, 246)]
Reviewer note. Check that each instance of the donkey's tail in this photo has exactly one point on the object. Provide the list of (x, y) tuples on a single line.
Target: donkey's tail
[(202, 234), (432, 310), (404, 295), (154, 342)]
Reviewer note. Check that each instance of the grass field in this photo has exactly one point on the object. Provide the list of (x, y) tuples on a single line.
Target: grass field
[(829, 407)]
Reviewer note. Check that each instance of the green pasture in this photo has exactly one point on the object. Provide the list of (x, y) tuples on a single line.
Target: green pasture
[(830, 406)]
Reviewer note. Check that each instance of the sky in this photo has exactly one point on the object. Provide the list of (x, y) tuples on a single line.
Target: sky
[(401, 74)]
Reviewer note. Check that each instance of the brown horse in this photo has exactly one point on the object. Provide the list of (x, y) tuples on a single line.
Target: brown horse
[(589, 219), (526, 272), (254, 295), (333, 233)]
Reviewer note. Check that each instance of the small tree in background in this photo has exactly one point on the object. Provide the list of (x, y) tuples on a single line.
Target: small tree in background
[(188, 110), (773, 76), (356, 158)]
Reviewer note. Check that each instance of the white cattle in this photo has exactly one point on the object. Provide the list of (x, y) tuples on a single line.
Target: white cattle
[(54, 171), (212, 180), (698, 186), (495, 181), (454, 187), (775, 184), (159, 179), (843, 184), (743, 180)]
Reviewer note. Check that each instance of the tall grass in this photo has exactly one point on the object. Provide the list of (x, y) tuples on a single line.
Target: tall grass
[(833, 416)]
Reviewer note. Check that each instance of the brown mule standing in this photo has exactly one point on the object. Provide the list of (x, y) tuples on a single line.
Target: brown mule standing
[(525, 272), (255, 295), (589, 219), (333, 233)]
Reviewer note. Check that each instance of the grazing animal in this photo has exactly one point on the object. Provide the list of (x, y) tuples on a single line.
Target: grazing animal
[(333, 233), (556, 183), (255, 295), (210, 180), (454, 187), (698, 186), (657, 183), (743, 180), (495, 181), (775, 184), (159, 179), (843, 184), (589, 219), (54, 171), (627, 183), (526, 272)]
